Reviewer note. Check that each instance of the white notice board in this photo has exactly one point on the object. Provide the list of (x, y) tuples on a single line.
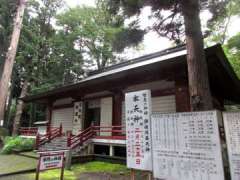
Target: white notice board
[(138, 113), (232, 130), (186, 146), (51, 161)]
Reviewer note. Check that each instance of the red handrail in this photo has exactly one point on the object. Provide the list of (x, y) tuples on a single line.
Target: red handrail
[(52, 133), (90, 132), (74, 141)]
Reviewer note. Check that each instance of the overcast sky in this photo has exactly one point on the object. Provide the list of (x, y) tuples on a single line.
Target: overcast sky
[(152, 42)]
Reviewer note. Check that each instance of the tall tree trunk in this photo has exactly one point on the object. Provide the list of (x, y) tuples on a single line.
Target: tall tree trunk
[(19, 109), (200, 95), (10, 57)]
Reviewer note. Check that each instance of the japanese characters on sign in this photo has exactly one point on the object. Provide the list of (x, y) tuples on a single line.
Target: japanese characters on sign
[(186, 146), (78, 117), (232, 130), (51, 161), (138, 113)]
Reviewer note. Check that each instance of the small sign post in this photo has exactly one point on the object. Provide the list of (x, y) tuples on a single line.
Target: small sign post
[(50, 160), (138, 131)]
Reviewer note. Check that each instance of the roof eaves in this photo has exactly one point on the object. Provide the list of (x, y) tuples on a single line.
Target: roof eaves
[(148, 61)]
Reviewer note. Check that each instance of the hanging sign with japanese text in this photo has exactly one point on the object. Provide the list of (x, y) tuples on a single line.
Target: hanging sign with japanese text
[(138, 130), (232, 131), (186, 146)]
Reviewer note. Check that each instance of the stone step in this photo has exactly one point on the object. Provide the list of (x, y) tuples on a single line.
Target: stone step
[(60, 143), (57, 144)]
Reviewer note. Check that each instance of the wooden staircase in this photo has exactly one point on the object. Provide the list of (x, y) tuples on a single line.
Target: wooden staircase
[(57, 144), (54, 140)]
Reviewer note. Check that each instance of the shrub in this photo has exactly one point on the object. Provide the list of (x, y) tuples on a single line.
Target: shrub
[(17, 143), (3, 132)]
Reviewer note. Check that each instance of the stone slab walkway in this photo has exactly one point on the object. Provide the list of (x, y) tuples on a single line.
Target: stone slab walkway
[(15, 163)]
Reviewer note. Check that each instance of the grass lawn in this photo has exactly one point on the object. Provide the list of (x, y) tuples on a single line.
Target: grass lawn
[(13, 163), (76, 171)]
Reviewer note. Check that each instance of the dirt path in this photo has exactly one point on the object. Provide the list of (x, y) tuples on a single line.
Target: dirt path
[(15, 177), (14, 163), (83, 176)]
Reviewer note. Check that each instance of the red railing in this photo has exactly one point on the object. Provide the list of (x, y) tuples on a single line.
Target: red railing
[(28, 131), (115, 132), (52, 133)]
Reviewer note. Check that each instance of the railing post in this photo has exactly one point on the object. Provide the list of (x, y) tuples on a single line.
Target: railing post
[(48, 128), (49, 135), (37, 141), (20, 131), (69, 140), (36, 131), (81, 140), (60, 130), (92, 129)]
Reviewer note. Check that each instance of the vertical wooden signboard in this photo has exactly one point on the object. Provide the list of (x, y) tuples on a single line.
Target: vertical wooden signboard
[(138, 130), (50, 160), (78, 117), (186, 146), (232, 131)]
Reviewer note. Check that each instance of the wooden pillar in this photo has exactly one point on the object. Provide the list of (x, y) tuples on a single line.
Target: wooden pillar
[(68, 161), (182, 94), (49, 116), (117, 109), (111, 150), (90, 149)]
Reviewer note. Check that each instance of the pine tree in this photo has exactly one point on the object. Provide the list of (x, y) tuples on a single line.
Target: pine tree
[(182, 18), (10, 57)]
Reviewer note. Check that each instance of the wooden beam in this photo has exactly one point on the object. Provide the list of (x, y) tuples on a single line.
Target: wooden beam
[(117, 110), (62, 106), (182, 94)]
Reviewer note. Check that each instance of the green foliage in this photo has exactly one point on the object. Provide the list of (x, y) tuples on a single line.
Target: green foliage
[(234, 43), (218, 28), (3, 132), (91, 167), (7, 10), (17, 143), (166, 14), (34, 60), (34, 52), (51, 56), (97, 34), (232, 50), (98, 166), (12, 111), (54, 54), (234, 59)]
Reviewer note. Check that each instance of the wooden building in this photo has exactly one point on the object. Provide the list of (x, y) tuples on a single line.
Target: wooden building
[(99, 98)]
